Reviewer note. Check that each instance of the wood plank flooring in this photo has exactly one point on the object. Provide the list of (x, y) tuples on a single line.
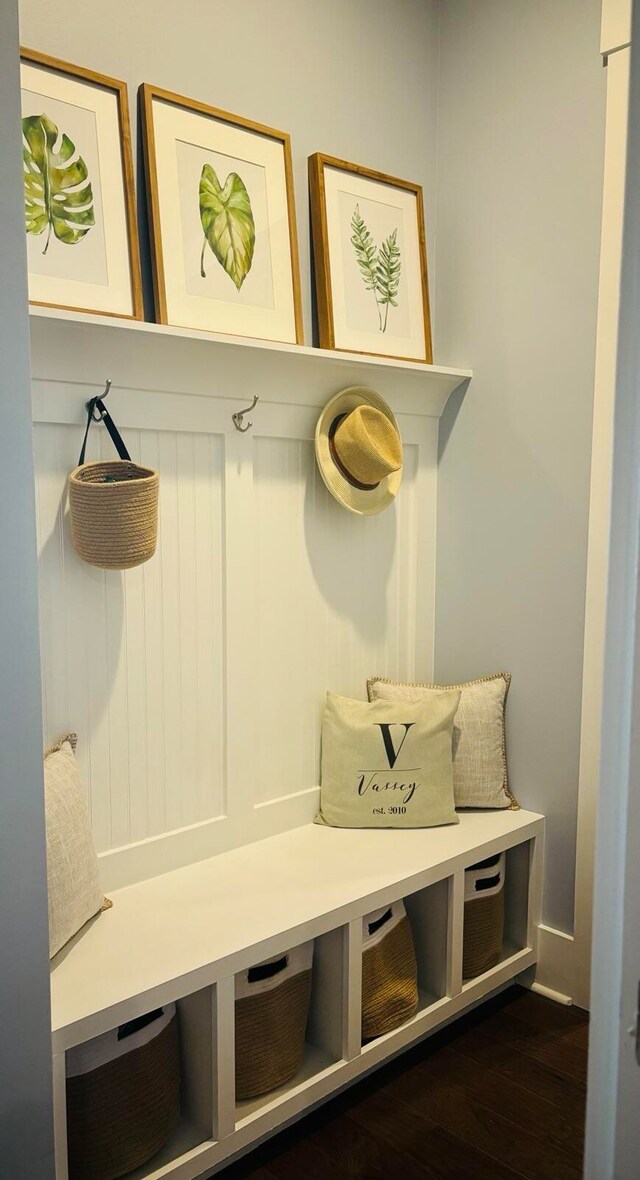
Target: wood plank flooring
[(499, 1095)]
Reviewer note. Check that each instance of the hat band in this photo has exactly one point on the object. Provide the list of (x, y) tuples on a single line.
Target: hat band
[(363, 487)]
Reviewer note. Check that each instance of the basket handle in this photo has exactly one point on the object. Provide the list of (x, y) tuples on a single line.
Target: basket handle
[(487, 883), (97, 403), (140, 1022), (380, 922), (267, 970)]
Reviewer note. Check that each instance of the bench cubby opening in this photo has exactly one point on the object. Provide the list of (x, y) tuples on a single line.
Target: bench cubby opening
[(517, 909), (521, 868), (429, 914), (195, 1127), (326, 1029)]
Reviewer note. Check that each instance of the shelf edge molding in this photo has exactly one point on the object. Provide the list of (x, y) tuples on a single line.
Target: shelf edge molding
[(311, 373)]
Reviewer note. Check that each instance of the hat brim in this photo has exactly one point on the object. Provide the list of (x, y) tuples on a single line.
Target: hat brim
[(366, 502)]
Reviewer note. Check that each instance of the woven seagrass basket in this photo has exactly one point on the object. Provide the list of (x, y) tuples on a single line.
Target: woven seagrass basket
[(113, 504), (114, 513), (389, 971), (123, 1096), (483, 916), (272, 1007)]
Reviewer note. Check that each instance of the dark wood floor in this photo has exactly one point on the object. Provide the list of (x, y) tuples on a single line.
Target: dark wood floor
[(498, 1095)]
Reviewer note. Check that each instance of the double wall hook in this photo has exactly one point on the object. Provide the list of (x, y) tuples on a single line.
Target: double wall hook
[(238, 417), (98, 417)]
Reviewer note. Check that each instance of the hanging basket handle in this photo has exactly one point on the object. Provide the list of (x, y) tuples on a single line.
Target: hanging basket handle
[(97, 403), (267, 970)]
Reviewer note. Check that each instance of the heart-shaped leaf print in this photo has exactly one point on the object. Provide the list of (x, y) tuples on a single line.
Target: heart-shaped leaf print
[(227, 221), (57, 192)]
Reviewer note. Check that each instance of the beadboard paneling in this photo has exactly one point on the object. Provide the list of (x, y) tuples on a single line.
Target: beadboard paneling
[(134, 662), (335, 598), (196, 681)]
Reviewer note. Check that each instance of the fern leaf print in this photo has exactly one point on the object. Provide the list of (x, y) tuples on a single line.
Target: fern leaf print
[(366, 253), (380, 269), (388, 274)]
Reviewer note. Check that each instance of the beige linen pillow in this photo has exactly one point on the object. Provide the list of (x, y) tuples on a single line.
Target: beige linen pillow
[(479, 742), (387, 765), (72, 864)]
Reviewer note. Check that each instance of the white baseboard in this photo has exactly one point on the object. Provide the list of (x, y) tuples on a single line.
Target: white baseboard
[(559, 997), (555, 970)]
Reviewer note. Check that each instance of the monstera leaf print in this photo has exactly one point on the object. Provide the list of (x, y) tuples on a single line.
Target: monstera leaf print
[(57, 191), (227, 221)]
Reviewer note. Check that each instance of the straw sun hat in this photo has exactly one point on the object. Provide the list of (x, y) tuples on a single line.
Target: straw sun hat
[(359, 450)]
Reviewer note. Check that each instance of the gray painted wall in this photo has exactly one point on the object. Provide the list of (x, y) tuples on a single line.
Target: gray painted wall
[(521, 132), (335, 75), (26, 1133)]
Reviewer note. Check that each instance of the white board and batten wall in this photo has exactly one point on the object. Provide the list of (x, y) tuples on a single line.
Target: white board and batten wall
[(196, 682)]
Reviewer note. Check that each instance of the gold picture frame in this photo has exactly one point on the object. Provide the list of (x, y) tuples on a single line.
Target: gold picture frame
[(360, 273), (98, 220), (186, 143)]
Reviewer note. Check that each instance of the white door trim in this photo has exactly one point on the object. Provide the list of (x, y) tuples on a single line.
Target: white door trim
[(600, 513), (613, 1127)]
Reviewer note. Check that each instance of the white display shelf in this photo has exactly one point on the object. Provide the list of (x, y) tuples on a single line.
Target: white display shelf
[(185, 935), (208, 363)]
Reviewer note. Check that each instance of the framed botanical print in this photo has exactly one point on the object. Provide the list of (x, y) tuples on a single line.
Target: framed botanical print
[(82, 241), (370, 261), (223, 221)]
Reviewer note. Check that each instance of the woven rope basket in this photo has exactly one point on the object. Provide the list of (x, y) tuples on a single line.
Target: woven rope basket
[(114, 513), (123, 1110), (389, 971), (272, 1007), (483, 916)]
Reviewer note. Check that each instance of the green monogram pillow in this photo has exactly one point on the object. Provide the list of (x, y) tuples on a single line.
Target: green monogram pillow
[(388, 764)]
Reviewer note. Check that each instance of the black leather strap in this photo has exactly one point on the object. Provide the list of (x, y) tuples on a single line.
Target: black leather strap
[(97, 403)]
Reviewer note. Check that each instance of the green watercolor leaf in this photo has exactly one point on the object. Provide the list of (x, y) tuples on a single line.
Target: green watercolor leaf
[(379, 268), (227, 221), (388, 274), (57, 192), (366, 253)]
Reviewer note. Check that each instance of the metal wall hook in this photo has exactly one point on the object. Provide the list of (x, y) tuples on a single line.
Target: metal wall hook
[(238, 417), (99, 416)]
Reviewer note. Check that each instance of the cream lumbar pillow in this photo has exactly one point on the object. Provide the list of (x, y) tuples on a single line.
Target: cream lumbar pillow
[(387, 765), (479, 741), (72, 864)]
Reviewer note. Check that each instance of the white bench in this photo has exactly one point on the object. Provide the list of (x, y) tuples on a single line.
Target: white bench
[(184, 935)]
